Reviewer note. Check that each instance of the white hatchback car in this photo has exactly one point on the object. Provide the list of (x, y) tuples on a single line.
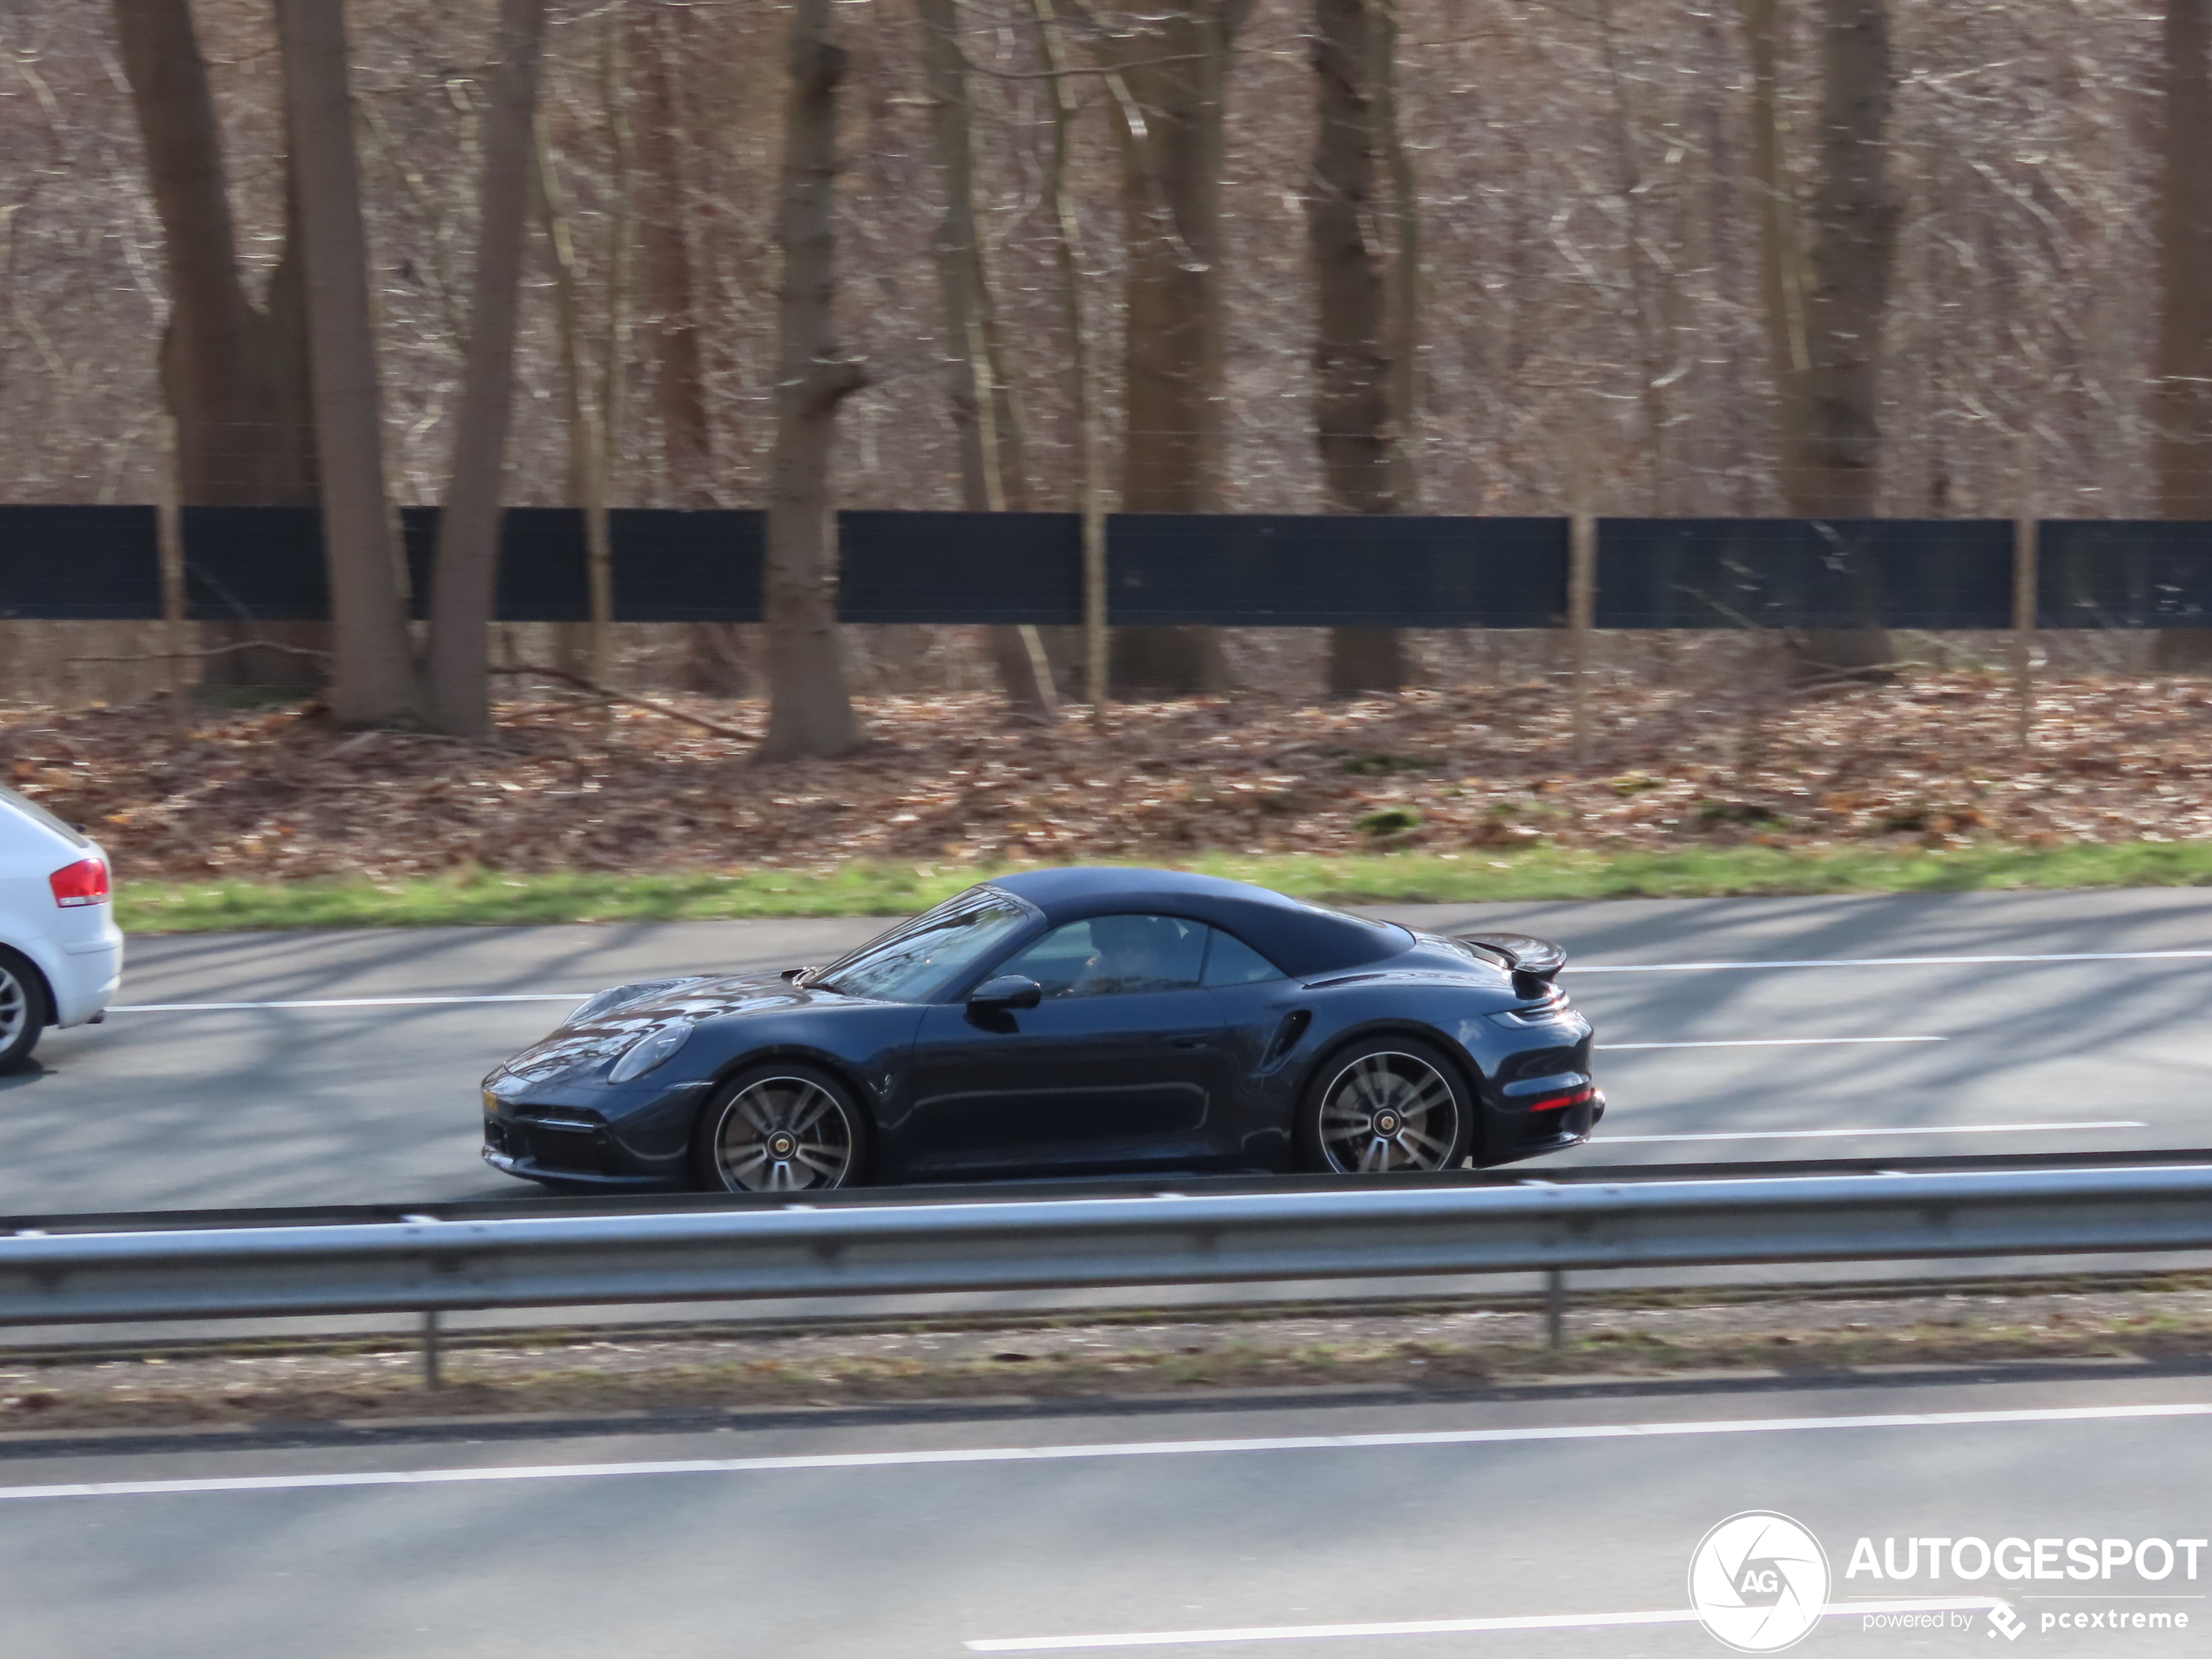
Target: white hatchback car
[(60, 953)]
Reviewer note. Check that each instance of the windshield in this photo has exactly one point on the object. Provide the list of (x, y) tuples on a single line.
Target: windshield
[(918, 960)]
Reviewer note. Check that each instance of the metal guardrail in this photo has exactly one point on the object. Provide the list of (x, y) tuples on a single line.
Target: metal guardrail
[(888, 1247), (544, 1205)]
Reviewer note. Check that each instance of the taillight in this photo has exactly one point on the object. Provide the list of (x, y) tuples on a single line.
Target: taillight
[(1556, 1103), (83, 882)]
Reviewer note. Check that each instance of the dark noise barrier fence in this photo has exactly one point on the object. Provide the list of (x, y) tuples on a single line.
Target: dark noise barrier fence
[(1217, 571)]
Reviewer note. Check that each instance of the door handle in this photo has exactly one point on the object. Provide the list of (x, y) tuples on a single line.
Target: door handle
[(1189, 1042)]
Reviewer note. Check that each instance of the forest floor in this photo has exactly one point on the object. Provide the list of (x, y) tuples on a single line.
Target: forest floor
[(575, 811)]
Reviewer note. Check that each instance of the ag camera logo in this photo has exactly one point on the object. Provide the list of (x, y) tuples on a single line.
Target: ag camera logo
[(1759, 1582)]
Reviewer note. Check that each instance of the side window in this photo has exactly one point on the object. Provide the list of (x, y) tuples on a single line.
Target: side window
[(1230, 961), (1113, 955)]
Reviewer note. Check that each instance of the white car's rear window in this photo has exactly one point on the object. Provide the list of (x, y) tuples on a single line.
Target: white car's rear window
[(31, 809)]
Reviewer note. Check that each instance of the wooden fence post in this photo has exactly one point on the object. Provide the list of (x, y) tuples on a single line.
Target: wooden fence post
[(2027, 551), (169, 530), (1582, 604)]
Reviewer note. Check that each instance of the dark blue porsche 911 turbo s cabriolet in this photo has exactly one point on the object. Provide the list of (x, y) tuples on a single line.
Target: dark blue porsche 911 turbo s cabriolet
[(1065, 1023)]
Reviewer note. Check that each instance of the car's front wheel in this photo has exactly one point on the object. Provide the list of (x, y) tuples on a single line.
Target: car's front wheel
[(780, 1129), (1388, 1106)]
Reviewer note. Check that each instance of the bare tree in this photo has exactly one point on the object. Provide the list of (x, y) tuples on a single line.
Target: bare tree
[(994, 464), (466, 572), (1168, 78), (580, 472), (1067, 241), (233, 374), (373, 679), (655, 50), (2180, 394), (1826, 302), (1358, 424), (658, 36), (810, 709)]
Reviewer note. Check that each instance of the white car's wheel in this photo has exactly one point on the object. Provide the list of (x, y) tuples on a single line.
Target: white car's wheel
[(23, 1010)]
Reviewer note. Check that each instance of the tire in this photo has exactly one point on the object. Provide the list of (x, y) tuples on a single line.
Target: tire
[(1387, 1105), (777, 1128), (23, 1010)]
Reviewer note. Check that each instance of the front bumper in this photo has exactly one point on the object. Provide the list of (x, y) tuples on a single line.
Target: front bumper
[(589, 1136), (531, 1170)]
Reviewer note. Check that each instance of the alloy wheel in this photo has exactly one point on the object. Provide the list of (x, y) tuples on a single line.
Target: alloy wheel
[(1388, 1113), (14, 1009), (783, 1135)]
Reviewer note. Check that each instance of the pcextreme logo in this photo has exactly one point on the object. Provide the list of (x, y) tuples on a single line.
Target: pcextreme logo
[(1759, 1582)]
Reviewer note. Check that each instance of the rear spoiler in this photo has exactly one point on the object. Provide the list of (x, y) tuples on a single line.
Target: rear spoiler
[(1534, 963)]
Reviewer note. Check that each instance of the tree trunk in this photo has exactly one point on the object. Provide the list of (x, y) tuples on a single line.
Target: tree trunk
[(1169, 83), (215, 354), (712, 660), (234, 376), (2180, 394), (302, 669), (579, 420), (810, 710), (373, 680), (464, 583), (993, 463), (664, 213), (1826, 306), (1356, 427), (1082, 394), (1651, 277)]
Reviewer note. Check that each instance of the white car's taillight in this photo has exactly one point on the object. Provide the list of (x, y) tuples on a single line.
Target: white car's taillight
[(83, 882)]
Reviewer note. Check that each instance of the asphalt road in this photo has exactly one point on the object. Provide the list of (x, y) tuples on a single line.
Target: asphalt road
[(326, 1069), (1557, 1527)]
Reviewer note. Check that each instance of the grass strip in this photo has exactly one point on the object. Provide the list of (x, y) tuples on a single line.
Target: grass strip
[(479, 897)]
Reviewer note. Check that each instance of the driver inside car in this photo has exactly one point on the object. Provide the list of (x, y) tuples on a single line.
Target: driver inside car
[(1137, 953)]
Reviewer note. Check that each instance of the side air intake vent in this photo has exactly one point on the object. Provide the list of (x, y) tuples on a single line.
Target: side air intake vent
[(1286, 1036)]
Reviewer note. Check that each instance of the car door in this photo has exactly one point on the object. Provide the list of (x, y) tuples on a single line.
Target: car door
[(1121, 1065)]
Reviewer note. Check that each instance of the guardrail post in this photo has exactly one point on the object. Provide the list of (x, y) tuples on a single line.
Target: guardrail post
[(1556, 1308), (432, 1376)]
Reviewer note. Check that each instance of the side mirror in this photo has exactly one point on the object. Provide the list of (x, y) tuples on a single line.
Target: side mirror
[(1007, 991)]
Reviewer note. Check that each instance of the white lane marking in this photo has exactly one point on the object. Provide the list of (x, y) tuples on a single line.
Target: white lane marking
[(1438, 1626), (1895, 961), (1761, 1043), (1847, 1134), (1112, 1449), (346, 1002)]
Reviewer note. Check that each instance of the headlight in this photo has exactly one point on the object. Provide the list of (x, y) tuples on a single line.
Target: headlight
[(647, 1052)]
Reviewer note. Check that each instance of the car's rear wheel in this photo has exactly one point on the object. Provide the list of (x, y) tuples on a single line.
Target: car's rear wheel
[(780, 1129), (1389, 1106), (23, 1010)]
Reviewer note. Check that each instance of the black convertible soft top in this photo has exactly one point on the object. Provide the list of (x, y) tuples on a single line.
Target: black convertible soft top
[(1300, 939)]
